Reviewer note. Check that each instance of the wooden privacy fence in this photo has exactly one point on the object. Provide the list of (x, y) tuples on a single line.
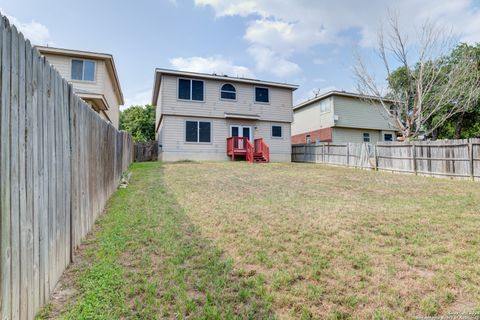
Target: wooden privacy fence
[(59, 163), (146, 151), (357, 155), (446, 158)]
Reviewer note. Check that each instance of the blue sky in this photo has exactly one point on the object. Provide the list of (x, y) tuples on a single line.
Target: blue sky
[(306, 42)]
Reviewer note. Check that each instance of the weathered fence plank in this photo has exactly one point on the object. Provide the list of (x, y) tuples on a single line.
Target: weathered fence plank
[(5, 187), (458, 159), (146, 151), (59, 164)]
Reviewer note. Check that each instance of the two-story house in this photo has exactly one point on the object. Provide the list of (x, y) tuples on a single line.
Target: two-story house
[(93, 77), (213, 117), (339, 117)]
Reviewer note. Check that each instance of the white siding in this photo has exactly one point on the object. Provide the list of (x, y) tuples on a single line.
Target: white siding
[(356, 113), (172, 138), (315, 116), (279, 108), (343, 135)]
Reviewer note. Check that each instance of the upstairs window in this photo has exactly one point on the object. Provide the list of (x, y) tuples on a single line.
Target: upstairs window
[(228, 92), (190, 89), (366, 137), (83, 70), (262, 95), (325, 106), (276, 131)]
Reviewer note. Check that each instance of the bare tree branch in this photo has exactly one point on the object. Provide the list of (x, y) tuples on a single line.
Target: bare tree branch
[(434, 90)]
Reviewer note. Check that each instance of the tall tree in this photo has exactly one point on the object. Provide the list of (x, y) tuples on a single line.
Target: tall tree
[(140, 122), (428, 93), (463, 125)]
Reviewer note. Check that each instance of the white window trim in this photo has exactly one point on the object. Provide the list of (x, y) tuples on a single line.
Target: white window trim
[(191, 90), (198, 132), (255, 95), (224, 99), (281, 131), (390, 134), (363, 136), (83, 70)]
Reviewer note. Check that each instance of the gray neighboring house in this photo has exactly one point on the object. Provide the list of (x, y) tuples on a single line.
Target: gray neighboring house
[(198, 114), (340, 117)]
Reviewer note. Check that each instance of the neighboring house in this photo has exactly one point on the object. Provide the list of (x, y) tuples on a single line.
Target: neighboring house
[(340, 117), (197, 115), (93, 76)]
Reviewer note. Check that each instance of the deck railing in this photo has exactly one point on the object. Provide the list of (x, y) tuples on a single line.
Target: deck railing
[(243, 146), (237, 145), (249, 151), (262, 148)]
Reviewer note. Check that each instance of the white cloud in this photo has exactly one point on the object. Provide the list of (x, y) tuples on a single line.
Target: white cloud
[(286, 27), (216, 64), (36, 32), (139, 98), (267, 60)]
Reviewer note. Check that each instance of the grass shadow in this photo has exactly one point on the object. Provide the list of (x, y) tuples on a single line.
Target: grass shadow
[(147, 260)]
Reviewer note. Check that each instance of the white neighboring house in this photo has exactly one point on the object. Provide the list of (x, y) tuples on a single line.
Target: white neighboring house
[(211, 117), (339, 117), (93, 77)]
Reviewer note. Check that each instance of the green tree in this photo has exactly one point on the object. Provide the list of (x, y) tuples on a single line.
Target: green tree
[(140, 122)]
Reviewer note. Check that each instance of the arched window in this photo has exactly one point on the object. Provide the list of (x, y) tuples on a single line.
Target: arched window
[(228, 92)]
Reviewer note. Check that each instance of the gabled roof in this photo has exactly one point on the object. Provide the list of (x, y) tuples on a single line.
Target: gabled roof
[(339, 93), (108, 58), (159, 72)]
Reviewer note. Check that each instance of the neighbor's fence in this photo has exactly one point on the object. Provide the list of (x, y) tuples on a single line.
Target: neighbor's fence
[(59, 163), (146, 151), (357, 155), (446, 158)]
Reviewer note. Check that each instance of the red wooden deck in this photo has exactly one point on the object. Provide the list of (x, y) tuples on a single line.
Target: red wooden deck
[(241, 146)]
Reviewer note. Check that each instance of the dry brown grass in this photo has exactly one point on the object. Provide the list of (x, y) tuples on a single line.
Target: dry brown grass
[(337, 242)]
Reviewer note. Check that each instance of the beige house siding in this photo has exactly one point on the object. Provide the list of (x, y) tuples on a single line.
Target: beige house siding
[(279, 108), (356, 113), (111, 97), (171, 136), (313, 117), (158, 103), (103, 83), (344, 135)]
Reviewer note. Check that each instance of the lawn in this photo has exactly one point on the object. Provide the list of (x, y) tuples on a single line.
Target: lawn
[(230, 239)]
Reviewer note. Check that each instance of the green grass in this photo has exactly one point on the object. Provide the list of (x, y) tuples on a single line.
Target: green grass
[(147, 260), (234, 240)]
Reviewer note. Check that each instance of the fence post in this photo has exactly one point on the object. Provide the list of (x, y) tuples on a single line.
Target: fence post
[(470, 156), (348, 153), (414, 161), (375, 157), (323, 153)]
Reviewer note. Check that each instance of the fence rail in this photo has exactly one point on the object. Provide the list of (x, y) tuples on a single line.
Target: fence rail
[(443, 158), (59, 163)]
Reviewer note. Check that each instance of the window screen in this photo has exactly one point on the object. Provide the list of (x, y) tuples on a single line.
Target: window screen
[(204, 132), (77, 69), (366, 137), (197, 90), (184, 89), (191, 131), (228, 92), (261, 95), (277, 131)]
